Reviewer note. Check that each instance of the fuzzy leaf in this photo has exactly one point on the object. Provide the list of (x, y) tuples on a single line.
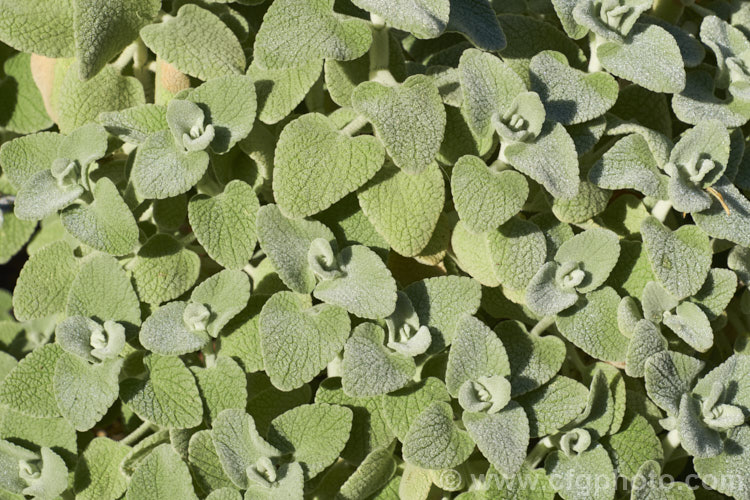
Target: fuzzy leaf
[(732, 226), (135, 125), (24, 112), (645, 341), (409, 119), (164, 269), (28, 388), (166, 332), (372, 473), (669, 375), (316, 165), (555, 405), (630, 164), (160, 474), (281, 90), (518, 249), (196, 42), (434, 441), (224, 294), (727, 472), (593, 464), (97, 474), (597, 251), (44, 27), (501, 437)]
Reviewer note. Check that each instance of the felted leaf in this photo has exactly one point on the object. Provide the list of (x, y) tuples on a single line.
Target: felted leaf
[(281, 90), (44, 27), (690, 323), (102, 30), (484, 198), (161, 473), (518, 249), (167, 396), (402, 407), (424, 19), (287, 242), (164, 269), (97, 473), (551, 160), (238, 444), (680, 259), (85, 391), (478, 22), (663, 72), (44, 282), (240, 337), (592, 325), (593, 464), (630, 164), (14, 234), (204, 462), (298, 339), (224, 494), (645, 341), (489, 86), (288, 483), (597, 250), (106, 224), (224, 294), (473, 254), (404, 208), (434, 441), (409, 119), (476, 352), (313, 434), (162, 169), (553, 406), (730, 226), (545, 296), (590, 201), (501, 437), (726, 472), (696, 437), (527, 484), (534, 360), (669, 375), (221, 386), (225, 224), (372, 473), (196, 42), (370, 429), (570, 96), (166, 332), (80, 102), (440, 303), (295, 32), (135, 125), (732, 374), (23, 113), (316, 165), (633, 445), (28, 388), (698, 102)]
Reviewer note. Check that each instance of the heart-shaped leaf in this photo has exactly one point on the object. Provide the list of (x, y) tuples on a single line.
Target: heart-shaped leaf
[(434, 441), (164, 269), (518, 249), (316, 165), (298, 339), (593, 463), (166, 332), (502, 437), (423, 19)]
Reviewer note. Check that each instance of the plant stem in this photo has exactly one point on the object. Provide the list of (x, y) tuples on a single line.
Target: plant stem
[(355, 125), (661, 209), (539, 451), (137, 433), (594, 42), (669, 10), (542, 325), (380, 53), (670, 443)]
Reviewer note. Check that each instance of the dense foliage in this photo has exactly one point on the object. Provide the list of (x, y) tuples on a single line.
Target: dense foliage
[(375, 249)]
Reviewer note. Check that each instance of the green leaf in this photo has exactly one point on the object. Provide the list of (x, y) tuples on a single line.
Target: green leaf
[(298, 339), (369, 368), (594, 465), (727, 472), (569, 95), (518, 249), (597, 251), (27, 155), (289, 483), (221, 386), (281, 90), (501, 437), (224, 494), (43, 284), (440, 303), (630, 164), (196, 42), (238, 445), (645, 341), (409, 119), (554, 405), (224, 294), (545, 295), (489, 87), (478, 22), (14, 234), (690, 323), (287, 242), (423, 19), (696, 437), (592, 325), (28, 388), (162, 169), (698, 102), (484, 198), (316, 165), (434, 441), (240, 337), (647, 484), (164, 269), (102, 30), (42, 196), (402, 407), (404, 208), (135, 125), (476, 352), (167, 332), (534, 360), (167, 396), (161, 474), (662, 72), (296, 32), (590, 201), (24, 112), (79, 102), (716, 292), (106, 224), (634, 444), (551, 160), (730, 226), (366, 288), (473, 254), (44, 27), (732, 374), (314, 435), (225, 224), (85, 391), (680, 259), (374, 471), (669, 375), (97, 473), (204, 462)]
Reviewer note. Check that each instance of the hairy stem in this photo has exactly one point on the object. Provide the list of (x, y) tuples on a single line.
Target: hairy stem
[(538, 452), (594, 42), (661, 209), (670, 443), (669, 10), (542, 325), (380, 53), (355, 125), (138, 433)]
